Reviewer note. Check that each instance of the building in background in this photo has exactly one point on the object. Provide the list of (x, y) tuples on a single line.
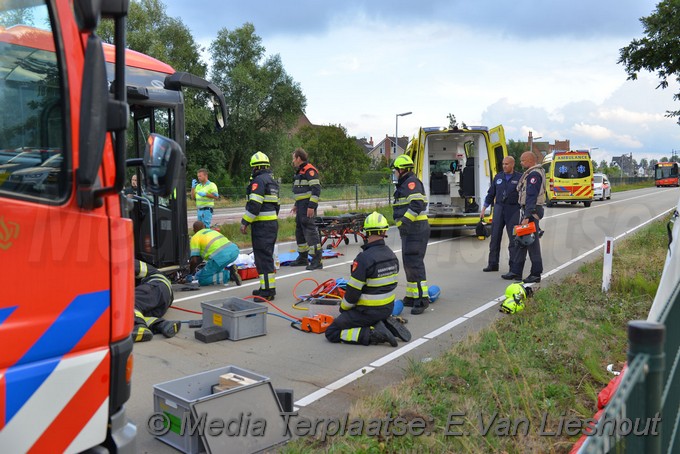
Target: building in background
[(387, 149)]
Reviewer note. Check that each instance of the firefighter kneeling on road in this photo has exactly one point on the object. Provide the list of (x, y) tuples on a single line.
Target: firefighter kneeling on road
[(262, 210), (153, 297), (366, 312)]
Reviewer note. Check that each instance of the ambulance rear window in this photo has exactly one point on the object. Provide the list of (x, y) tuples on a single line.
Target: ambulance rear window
[(572, 169)]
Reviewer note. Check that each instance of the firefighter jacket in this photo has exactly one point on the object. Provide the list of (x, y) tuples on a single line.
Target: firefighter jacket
[(306, 186), (148, 274), (410, 202), (207, 242), (263, 198), (374, 277), (503, 190), (531, 189)]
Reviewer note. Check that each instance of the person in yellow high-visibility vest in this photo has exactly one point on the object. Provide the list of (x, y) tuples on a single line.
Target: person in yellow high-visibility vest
[(217, 251)]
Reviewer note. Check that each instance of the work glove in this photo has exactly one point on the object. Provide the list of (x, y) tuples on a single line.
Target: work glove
[(202, 194), (345, 306), (194, 182)]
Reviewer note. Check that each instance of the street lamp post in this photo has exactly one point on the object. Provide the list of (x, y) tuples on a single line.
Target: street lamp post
[(531, 145), (396, 131)]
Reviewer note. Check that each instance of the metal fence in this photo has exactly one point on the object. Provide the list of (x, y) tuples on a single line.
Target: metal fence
[(346, 196), (644, 414)]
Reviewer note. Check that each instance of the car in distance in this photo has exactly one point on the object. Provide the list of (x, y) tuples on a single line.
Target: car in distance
[(602, 188)]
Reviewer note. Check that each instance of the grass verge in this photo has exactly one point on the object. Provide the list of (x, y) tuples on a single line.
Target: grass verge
[(507, 386)]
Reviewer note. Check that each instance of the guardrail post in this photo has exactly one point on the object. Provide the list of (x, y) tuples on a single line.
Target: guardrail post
[(648, 338)]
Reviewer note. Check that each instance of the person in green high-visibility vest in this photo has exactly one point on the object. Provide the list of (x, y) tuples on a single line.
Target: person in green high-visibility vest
[(205, 193), (217, 251)]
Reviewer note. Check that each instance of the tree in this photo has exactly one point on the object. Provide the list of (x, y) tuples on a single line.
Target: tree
[(453, 124), (644, 163), (151, 31), (338, 157), (602, 167), (515, 149), (659, 49), (652, 163), (265, 102)]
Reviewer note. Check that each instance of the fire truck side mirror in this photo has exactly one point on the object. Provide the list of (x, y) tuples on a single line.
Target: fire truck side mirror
[(163, 163)]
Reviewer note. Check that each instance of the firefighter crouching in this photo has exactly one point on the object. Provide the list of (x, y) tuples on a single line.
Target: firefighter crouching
[(409, 213), (307, 190), (153, 297), (261, 214), (365, 313)]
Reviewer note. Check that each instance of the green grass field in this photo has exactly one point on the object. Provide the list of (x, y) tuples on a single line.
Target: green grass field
[(524, 372)]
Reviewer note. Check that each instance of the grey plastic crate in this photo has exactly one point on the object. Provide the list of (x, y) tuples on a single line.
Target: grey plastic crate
[(188, 397), (241, 318)]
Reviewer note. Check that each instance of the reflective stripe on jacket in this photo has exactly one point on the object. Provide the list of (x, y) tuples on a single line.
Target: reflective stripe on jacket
[(306, 185), (207, 242), (410, 202), (374, 277), (263, 198)]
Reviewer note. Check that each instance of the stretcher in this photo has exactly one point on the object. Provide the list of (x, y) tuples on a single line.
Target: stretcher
[(337, 229)]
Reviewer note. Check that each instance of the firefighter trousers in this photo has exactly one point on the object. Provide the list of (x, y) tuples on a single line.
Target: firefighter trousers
[(306, 232), (504, 217), (153, 298), (413, 248), (354, 323), (264, 238)]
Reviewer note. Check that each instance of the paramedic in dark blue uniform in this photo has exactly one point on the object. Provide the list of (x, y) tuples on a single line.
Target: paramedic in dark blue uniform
[(531, 189), (262, 210), (505, 199)]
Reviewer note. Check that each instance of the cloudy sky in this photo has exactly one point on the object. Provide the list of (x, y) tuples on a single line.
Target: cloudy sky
[(530, 65)]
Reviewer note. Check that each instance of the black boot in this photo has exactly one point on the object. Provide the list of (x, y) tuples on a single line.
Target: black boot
[(420, 305), (268, 294), (165, 327), (316, 264), (380, 335), (301, 260)]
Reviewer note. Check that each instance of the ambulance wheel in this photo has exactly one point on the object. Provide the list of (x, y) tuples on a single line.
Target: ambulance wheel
[(587, 204)]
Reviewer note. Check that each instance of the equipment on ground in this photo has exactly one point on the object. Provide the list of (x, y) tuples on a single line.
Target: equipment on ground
[(434, 292), (316, 324), (398, 307), (515, 298)]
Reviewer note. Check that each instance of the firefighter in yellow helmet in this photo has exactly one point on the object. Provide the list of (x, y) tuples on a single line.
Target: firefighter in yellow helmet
[(409, 214), (262, 210), (365, 313)]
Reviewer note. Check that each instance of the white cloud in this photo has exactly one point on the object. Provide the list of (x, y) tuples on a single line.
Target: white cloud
[(595, 132), (624, 115)]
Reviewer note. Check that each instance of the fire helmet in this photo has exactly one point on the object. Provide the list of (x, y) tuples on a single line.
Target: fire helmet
[(375, 223), (525, 240), (403, 161), (515, 297), (259, 159)]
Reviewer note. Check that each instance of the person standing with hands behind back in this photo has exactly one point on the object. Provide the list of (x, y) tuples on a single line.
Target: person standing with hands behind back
[(503, 190), (262, 211), (205, 193), (409, 213), (531, 199), (307, 190)]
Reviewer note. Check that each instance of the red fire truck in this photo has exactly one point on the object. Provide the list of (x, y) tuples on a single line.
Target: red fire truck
[(66, 237)]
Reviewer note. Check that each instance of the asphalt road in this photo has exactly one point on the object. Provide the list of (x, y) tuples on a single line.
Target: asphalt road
[(327, 378)]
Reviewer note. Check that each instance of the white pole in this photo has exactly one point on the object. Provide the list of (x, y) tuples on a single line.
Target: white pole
[(607, 263)]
